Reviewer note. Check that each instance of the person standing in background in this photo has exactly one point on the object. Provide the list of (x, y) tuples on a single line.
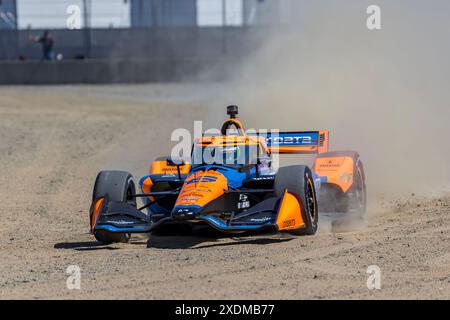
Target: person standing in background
[(47, 41)]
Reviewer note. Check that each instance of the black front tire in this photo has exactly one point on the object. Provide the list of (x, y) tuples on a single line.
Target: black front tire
[(299, 181), (119, 186)]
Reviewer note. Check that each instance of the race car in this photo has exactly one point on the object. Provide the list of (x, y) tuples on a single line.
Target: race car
[(230, 185)]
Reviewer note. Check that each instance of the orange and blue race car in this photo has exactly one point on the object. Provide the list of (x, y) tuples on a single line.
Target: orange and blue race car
[(230, 185)]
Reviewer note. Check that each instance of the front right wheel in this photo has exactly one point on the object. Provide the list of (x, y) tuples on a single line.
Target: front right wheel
[(298, 180)]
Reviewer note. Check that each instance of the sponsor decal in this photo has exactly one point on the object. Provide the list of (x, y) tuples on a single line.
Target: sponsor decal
[(264, 178), (292, 139), (260, 220), (329, 165), (120, 222), (243, 203), (169, 176), (189, 199), (288, 223), (206, 179)]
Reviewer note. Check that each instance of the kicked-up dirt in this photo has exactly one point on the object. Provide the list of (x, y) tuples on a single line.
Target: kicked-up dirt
[(54, 140)]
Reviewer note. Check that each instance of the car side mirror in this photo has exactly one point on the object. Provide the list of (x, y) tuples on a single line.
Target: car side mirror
[(171, 163)]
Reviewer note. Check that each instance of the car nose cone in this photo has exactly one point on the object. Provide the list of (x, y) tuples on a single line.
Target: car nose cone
[(183, 214)]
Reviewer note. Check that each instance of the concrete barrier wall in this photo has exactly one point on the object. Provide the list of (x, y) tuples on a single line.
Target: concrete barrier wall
[(145, 43), (112, 71), (128, 55)]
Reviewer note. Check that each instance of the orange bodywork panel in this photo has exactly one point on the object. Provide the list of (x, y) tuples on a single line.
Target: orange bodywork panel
[(201, 188), (218, 141), (96, 212), (161, 167), (338, 170), (290, 213), (147, 185)]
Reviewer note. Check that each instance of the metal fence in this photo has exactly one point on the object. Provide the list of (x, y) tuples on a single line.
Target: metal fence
[(138, 29), (76, 14), (144, 43)]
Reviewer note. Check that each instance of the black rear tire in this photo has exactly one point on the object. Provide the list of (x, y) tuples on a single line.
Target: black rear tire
[(299, 181), (354, 201), (119, 186), (357, 197)]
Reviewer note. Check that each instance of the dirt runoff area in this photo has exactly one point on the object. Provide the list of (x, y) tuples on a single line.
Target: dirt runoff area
[(54, 140)]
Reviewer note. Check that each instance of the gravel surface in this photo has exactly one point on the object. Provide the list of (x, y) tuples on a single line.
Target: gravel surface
[(54, 140)]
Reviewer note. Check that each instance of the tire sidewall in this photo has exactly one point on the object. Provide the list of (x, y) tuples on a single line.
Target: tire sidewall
[(311, 223), (296, 179), (114, 186)]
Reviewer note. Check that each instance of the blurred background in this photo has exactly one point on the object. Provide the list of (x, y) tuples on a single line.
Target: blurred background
[(130, 40), (289, 64)]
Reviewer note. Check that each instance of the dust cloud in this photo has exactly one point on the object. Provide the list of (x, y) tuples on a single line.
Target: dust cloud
[(384, 93)]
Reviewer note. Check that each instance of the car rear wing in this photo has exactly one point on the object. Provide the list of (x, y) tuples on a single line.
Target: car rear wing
[(305, 142)]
